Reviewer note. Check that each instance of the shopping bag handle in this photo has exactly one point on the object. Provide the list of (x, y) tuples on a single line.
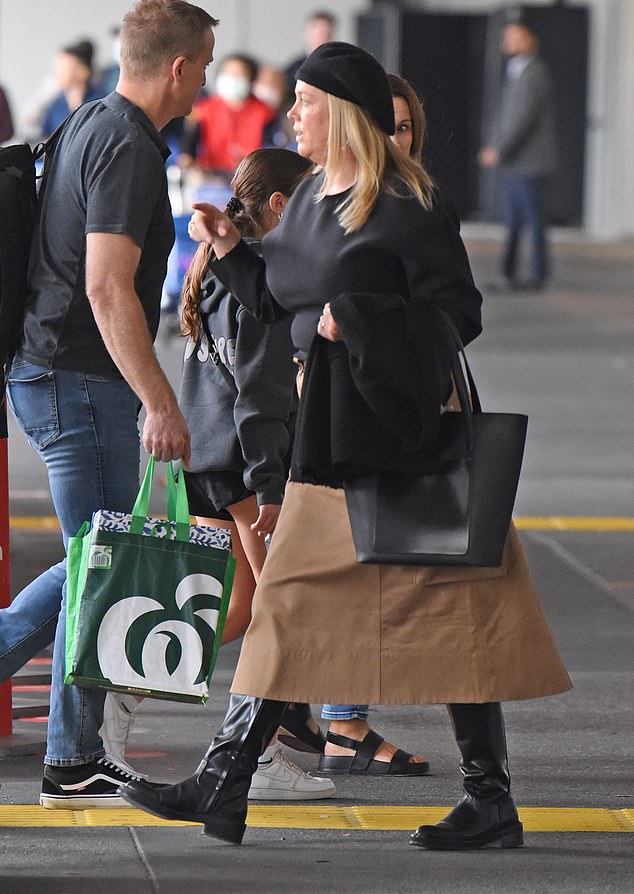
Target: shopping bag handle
[(177, 503)]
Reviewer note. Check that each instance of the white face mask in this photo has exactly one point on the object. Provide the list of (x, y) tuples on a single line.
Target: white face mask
[(270, 95), (231, 88)]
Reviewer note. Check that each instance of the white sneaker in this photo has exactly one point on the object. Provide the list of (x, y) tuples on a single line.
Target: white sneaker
[(118, 720), (278, 779)]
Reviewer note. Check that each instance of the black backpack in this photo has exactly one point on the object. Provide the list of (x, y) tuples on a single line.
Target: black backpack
[(18, 199)]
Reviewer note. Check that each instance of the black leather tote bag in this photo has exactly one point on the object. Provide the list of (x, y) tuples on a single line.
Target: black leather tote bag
[(458, 515)]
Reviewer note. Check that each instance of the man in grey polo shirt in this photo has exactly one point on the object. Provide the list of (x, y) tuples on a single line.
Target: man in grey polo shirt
[(86, 361)]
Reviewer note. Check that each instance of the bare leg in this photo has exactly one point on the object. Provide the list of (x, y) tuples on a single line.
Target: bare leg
[(239, 613), (244, 514)]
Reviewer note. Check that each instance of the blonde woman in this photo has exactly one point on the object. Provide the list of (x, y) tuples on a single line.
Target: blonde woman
[(363, 253)]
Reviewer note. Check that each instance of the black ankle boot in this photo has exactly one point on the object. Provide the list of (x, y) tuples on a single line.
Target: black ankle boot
[(217, 794), (486, 816)]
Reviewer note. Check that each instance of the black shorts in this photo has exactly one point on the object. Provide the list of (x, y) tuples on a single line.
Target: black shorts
[(209, 493)]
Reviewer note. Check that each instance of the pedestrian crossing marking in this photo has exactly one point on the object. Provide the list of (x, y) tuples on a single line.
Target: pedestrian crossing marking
[(350, 818)]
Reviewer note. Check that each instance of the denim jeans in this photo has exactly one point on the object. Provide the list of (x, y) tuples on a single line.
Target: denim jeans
[(344, 712), (28, 625), (85, 429), (524, 209)]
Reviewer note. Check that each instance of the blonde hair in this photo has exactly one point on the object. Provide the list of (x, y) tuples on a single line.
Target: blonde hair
[(351, 128)]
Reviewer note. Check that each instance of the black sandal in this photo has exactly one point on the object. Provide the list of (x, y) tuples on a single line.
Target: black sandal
[(362, 763), (296, 733)]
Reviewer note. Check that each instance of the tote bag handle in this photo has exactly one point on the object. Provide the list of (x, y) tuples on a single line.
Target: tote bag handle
[(177, 503), (468, 396)]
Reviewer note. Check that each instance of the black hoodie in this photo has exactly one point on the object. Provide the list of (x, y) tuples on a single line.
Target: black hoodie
[(237, 391)]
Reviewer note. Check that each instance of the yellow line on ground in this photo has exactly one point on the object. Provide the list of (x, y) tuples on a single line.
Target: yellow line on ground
[(574, 523), (360, 818), (522, 522), (33, 522)]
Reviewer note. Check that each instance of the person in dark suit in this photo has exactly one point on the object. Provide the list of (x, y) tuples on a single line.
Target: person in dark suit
[(523, 146)]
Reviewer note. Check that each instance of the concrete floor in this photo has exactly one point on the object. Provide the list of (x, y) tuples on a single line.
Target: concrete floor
[(565, 357)]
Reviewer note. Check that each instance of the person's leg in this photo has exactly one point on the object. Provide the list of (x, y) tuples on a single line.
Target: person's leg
[(217, 795), (85, 429), (244, 514), (118, 720), (239, 611), (28, 625), (339, 713), (486, 815), (535, 222), (512, 218), (351, 722), (277, 777)]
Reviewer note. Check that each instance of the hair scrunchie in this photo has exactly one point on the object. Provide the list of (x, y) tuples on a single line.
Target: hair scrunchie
[(234, 206)]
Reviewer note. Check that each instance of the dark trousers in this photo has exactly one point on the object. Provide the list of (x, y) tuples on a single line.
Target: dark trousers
[(524, 210)]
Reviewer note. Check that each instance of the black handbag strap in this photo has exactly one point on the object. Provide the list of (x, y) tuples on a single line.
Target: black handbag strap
[(468, 396), (458, 353)]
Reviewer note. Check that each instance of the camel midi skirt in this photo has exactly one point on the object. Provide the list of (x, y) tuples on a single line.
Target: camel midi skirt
[(328, 629)]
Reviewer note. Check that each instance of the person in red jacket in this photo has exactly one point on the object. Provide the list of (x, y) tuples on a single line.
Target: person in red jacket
[(232, 121)]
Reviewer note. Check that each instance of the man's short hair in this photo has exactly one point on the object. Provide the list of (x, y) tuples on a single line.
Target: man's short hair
[(156, 31), (325, 15)]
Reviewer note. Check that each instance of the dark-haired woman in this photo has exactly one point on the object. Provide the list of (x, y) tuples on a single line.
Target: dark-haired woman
[(410, 121), (236, 395), (364, 255)]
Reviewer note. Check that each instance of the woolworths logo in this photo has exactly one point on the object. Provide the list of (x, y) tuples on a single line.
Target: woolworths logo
[(163, 647)]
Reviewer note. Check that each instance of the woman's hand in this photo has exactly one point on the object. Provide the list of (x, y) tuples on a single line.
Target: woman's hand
[(327, 326), (267, 519), (210, 224)]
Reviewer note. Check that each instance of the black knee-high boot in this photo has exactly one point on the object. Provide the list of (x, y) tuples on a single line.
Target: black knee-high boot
[(486, 815), (217, 794)]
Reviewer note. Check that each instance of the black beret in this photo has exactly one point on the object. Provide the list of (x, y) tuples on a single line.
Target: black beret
[(348, 72)]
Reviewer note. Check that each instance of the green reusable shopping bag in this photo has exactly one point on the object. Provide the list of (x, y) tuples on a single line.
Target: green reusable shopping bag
[(146, 599)]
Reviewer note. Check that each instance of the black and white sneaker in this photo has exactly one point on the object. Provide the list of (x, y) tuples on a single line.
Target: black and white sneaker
[(86, 785)]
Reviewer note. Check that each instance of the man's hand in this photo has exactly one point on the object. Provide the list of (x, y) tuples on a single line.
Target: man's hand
[(166, 436), (210, 224), (267, 519)]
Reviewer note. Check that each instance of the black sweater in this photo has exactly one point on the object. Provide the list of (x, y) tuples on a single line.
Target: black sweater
[(236, 393), (372, 401)]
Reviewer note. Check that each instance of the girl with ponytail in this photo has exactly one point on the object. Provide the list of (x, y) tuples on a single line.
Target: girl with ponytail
[(237, 385)]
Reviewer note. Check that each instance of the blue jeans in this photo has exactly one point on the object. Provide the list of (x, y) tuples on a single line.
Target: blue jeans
[(85, 429), (28, 625), (524, 209), (344, 712)]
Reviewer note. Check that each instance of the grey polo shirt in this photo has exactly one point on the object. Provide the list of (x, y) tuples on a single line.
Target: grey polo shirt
[(107, 175)]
